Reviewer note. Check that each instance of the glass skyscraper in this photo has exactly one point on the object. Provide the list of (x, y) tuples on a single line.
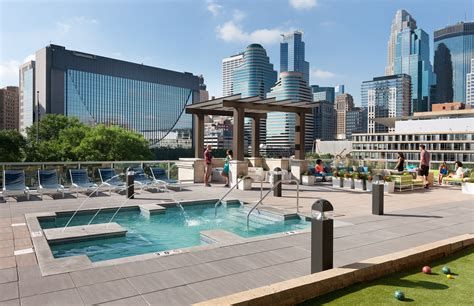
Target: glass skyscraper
[(386, 97), (27, 109), (255, 76), (322, 93), (454, 49), (281, 126), (97, 89), (412, 57), (292, 55)]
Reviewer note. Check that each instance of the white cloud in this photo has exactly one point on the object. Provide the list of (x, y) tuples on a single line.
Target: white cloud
[(302, 4), (64, 26), (238, 15), (213, 7), (322, 74), (10, 70), (232, 32)]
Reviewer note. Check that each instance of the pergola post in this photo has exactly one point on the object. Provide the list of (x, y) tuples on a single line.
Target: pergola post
[(299, 136), (199, 135), (238, 134), (255, 137)]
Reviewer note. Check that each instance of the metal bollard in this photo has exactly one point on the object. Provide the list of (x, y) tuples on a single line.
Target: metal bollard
[(276, 179), (377, 195), (322, 236), (130, 184)]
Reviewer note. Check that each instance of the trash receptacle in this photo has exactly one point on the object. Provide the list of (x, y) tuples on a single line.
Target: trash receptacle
[(276, 180), (130, 194), (377, 195), (322, 236)]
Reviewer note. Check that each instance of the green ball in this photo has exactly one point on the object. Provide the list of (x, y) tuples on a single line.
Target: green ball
[(446, 270), (399, 295)]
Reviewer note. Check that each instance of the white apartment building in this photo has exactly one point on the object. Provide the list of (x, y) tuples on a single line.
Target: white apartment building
[(229, 64), (470, 87)]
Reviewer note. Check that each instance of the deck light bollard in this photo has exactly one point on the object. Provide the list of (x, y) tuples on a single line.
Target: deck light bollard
[(377, 195), (322, 236), (276, 179), (130, 184)]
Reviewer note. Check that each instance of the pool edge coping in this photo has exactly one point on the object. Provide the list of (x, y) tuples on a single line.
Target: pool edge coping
[(304, 288)]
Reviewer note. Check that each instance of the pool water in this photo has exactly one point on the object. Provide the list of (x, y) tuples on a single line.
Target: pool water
[(174, 229)]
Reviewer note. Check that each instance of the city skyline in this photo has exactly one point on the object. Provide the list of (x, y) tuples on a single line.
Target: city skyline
[(163, 42)]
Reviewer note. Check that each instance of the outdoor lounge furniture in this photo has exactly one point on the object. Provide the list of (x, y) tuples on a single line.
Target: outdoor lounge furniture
[(406, 182), (452, 180), (14, 184), (142, 181), (48, 182), (160, 177), (80, 181), (110, 179)]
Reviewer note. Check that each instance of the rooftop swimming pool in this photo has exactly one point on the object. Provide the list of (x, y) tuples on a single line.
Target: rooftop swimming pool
[(175, 229)]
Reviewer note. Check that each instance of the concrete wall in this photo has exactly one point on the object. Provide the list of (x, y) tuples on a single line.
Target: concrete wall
[(333, 147)]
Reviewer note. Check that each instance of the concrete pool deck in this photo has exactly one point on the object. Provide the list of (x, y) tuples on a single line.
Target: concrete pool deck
[(412, 219)]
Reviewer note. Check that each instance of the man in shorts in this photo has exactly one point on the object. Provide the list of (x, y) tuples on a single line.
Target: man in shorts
[(208, 160), (424, 165)]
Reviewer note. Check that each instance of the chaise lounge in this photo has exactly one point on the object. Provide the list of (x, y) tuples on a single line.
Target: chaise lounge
[(48, 182), (14, 184), (81, 182), (159, 177), (110, 179)]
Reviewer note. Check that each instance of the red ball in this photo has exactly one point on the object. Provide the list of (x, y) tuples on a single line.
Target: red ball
[(426, 270)]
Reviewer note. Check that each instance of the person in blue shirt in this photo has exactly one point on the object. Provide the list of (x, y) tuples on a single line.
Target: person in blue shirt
[(443, 171), (225, 171)]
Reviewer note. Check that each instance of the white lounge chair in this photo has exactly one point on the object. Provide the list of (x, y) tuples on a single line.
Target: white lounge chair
[(159, 177), (80, 181), (48, 182), (110, 179), (14, 184)]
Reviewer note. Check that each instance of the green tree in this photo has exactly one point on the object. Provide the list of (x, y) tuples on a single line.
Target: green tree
[(113, 143), (12, 146)]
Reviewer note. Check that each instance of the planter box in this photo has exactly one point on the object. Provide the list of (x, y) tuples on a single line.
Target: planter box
[(308, 180), (245, 184), (359, 184), (369, 186), (336, 182), (348, 183), (389, 187)]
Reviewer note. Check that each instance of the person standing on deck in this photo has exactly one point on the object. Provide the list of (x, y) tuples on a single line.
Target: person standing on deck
[(424, 165), (208, 160)]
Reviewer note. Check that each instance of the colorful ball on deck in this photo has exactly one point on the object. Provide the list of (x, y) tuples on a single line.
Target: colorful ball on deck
[(426, 270), (399, 295), (446, 270)]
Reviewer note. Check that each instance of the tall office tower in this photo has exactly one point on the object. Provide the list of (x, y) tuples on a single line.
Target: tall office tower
[(292, 56), (324, 120), (203, 93), (412, 57), (344, 103), (454, 49), (386, 97), (402, 20), (9, 108), (281, 126), (98, 89), (470, 86), (339, 90), (27, 109), (254, 77), (228, 66), (322, 93), (356, 121)]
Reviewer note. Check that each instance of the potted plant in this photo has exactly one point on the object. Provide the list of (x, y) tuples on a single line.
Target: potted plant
[(307, 179), (368, 184), (336, 180), (389, 186), (348, 181), (359, 181), (245, 183)]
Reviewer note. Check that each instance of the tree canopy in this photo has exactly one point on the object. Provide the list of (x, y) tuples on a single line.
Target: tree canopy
[(61, 138), (12, 145)]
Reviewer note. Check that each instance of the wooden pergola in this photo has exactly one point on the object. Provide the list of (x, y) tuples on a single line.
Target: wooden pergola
[(251, 107)]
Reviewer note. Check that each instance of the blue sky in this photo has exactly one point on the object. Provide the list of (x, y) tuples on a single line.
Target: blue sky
[(346, 40)]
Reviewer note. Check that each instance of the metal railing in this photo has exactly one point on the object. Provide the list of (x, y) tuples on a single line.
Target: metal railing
[(227, 193), (269, 191)]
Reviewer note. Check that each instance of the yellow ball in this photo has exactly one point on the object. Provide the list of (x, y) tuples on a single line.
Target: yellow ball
[(449, 276)]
